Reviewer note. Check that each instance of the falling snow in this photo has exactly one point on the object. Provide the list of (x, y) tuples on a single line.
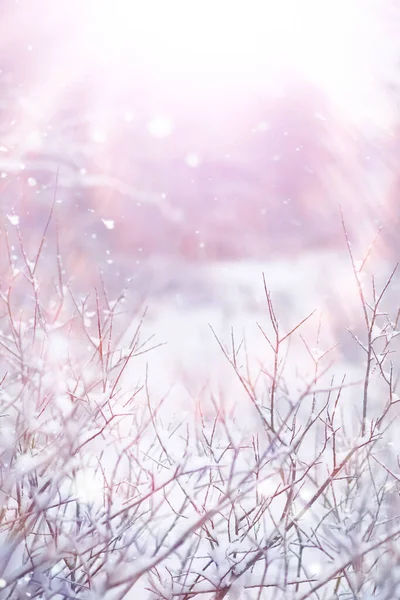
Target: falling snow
[(14, 219), (109, 223), (237, 437)]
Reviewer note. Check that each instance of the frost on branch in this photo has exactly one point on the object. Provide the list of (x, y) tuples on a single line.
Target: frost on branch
[(108, 492)]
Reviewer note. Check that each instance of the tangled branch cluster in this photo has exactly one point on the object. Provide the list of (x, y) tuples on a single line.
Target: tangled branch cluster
[(109, 492)]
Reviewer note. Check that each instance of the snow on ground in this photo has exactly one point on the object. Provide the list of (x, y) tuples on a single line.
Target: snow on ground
[(187, 303)]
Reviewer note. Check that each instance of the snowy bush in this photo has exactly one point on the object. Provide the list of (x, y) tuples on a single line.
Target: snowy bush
[(110, 492)]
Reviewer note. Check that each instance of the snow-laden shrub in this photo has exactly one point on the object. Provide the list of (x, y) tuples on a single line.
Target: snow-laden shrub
[(108, 491)]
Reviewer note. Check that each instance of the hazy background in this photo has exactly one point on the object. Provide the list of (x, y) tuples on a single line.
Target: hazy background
[(198, 145)]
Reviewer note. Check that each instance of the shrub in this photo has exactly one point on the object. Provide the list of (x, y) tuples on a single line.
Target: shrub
[(109, 492)]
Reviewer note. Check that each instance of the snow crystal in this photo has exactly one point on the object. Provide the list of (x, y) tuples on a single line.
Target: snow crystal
[(109, 223), (3, 583), (14, 219), (32, 181)]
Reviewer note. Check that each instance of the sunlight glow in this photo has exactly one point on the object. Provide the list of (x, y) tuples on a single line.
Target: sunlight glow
[(317, 37), (196, 55)]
